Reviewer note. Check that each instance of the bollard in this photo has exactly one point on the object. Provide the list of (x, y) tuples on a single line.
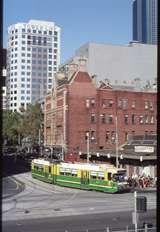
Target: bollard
[(126, 228)]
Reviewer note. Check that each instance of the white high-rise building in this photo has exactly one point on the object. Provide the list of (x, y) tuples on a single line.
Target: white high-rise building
[(33, 57)]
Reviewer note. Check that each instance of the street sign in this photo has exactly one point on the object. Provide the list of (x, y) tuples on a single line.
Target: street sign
[(143, 149), (134, 221)]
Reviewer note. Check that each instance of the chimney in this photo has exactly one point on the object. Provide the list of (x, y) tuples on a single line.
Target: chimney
[(60, 75), (72, 67), (82, 64)]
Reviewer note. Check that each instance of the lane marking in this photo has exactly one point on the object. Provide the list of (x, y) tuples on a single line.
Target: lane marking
[(15, 181)]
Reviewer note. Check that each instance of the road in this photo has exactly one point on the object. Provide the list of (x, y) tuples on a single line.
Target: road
[(11, 187), (46, 207), (94, 223), (41, 200)]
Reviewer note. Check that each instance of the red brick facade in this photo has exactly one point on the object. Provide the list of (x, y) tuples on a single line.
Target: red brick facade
[(78, 107)]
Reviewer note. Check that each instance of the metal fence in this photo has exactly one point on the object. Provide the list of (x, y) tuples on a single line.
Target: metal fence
[(107, 229)]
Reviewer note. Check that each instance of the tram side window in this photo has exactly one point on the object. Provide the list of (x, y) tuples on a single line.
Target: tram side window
[(62, 173), (74, 172), (100, 175), (109, 175), (93, 175), (38, 168), (49, 169)]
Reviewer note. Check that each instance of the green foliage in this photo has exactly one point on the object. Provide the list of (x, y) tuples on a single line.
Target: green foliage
[(24, 124)]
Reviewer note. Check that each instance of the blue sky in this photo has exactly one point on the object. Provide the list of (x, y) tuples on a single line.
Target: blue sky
[(81, 21)]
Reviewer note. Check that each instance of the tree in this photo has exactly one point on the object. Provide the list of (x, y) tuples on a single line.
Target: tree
[(32, 122), (17, 126), (12, 126)]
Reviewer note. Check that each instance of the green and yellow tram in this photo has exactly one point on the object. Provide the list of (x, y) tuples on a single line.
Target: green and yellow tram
[(100, 177)]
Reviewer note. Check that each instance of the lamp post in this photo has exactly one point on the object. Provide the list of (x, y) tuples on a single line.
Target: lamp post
[(87, 134), (62, 144), (117, 162)]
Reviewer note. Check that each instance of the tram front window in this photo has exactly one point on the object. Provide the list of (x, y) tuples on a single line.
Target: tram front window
[(118, 178)]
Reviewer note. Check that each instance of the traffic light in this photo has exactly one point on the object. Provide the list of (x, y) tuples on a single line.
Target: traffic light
[(141, 203)]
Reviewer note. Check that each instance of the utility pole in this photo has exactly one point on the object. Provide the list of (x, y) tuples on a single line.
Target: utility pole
[(87, 134), (135, 209), (62, 147), (116, 122)]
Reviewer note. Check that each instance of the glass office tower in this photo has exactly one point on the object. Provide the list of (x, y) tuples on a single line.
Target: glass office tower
[(145, 21), (33, 57)]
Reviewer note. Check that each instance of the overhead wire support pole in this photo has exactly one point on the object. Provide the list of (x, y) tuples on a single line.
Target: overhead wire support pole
[(116, 122), (87, 147), (135, 209)]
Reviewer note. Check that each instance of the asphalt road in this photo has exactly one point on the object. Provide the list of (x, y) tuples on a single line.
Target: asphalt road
[(44, 207), (11, 187), (94, 223)]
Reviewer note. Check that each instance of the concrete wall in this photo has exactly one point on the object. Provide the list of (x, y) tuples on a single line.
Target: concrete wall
[(120, 62)]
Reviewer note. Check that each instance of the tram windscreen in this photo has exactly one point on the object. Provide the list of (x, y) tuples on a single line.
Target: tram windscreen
[(120, 176)]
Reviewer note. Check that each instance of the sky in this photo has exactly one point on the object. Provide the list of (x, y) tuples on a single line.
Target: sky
[(81, 21)]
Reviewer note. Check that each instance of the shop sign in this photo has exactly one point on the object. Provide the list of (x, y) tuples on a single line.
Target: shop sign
[(144, 149)]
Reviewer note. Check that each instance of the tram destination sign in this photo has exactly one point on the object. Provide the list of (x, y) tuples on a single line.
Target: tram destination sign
[(142, 149)]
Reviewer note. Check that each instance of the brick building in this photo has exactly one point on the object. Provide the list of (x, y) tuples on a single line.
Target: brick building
[(77, 106)]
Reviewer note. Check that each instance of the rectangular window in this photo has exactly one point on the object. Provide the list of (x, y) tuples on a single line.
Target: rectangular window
[(110, 103), (151, 105), (113, 137), (152, 119), (140, 119), (126, 119), (107, 136), (125, 104), (133, 119), (92, 102), (146, 104), (146, 119), (103, 118), (110, 119), (93, 136), (93, 118), (133, 104)]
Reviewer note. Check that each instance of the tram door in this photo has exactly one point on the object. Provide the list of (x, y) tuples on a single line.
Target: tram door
[(84, 177)]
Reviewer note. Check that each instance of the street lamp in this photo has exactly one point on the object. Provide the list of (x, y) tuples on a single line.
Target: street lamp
[(117, 162), (87, 135)]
